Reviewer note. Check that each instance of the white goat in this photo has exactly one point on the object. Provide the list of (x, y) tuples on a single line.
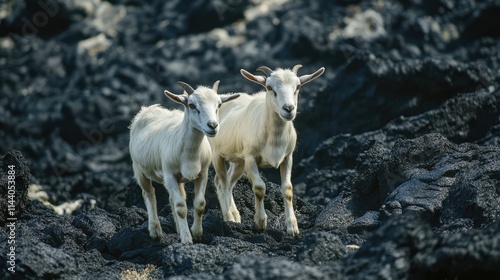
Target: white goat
[(170, 147), (257, 131)]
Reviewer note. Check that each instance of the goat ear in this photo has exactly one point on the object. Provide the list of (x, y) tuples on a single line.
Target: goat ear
[(181, 99), (228, 97), (307, 78), (261, 80)]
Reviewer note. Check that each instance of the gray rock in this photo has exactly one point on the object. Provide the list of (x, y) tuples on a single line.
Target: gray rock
[(429, 175), (251, 268), (321, 248)]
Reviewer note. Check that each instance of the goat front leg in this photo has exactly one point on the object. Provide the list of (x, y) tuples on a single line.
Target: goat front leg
[(200, 185), (287, 192), (259, 191), (179, 207), (182, 191)]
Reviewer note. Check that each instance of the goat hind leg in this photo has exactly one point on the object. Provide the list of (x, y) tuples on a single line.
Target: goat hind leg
[(235, 172), (221, 185), (148, 194)]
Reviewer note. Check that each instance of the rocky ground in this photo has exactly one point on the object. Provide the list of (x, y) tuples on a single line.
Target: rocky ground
[(397, 171)]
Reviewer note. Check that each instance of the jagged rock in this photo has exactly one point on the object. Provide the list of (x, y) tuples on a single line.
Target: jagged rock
[(15, 180), (471, 117), (406, 247), (478, 250), (251, 267), (388, 252), (184, 260), (428, 175), (321, 248), (55, 261), (136, 246)]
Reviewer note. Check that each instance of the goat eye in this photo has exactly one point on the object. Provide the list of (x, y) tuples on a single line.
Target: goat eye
[(220, 105), (269, 88), (192, 106)]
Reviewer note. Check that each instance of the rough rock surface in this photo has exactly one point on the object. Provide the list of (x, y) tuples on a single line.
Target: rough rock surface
[(14, 180), (396, 173)]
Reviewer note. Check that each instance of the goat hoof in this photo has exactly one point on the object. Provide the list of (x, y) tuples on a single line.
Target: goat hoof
[(260, 229), (155, 232), (187, 240), (261, 224), (293, 232), (196, 235), (292, 228), (234, 216), (156, 236), (197, 238)]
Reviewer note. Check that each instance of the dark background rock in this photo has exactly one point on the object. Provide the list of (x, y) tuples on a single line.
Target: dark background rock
[(407, 248), (471, 117), (398, 148)]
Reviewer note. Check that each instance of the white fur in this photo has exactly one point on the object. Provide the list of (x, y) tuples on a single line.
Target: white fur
[(170, 147), (257, 131)]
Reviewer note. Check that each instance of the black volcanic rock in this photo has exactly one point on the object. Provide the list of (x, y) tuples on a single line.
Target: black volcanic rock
[(383, 88), (14, 182), (428, 175), (251, 267), (389, 251), (321, 248), (477, 249), (471, 117), (405, 247)]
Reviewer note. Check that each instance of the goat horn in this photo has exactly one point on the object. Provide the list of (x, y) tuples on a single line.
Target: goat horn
[(266, 70), (296, 68), (215, 87), (185, 87)]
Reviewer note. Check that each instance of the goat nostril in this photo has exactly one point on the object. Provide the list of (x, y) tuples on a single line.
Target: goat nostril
[(288, 108), (212, 125)]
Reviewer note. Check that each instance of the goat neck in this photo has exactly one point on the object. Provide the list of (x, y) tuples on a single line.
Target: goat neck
[(274, 124), (192, 137)]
